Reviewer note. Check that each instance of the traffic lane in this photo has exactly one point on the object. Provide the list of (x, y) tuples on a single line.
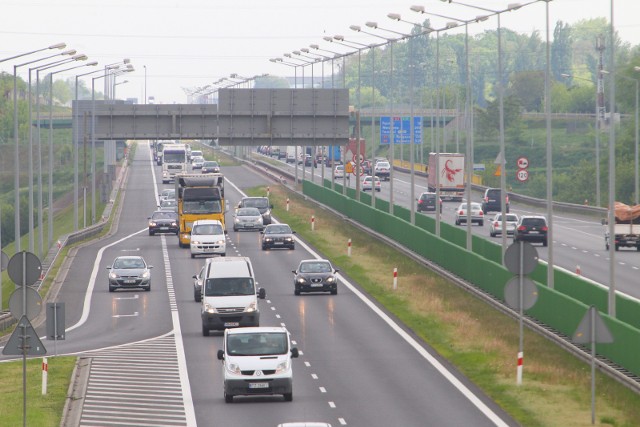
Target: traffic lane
[(123, 316), (350, 349)]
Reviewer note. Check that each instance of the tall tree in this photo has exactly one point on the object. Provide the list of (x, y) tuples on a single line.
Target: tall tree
[(561, 50)]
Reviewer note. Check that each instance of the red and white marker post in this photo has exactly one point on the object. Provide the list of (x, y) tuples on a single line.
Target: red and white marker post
[(313, 222), (287, 204), (349, 247), (45, 373), (519, 372), (578, 270), (268, 191), (395, 278)]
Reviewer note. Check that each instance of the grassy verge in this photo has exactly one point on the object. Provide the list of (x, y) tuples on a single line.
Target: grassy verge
[(481, 342), (41, 410)]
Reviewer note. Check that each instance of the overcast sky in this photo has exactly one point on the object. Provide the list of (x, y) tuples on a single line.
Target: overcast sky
[(192, 43)]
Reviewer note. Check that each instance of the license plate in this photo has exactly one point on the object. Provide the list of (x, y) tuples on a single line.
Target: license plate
[(258, 385), (533, 232), (129, 281), (316, 285), (231, 324), (164, 228), (277, 243)]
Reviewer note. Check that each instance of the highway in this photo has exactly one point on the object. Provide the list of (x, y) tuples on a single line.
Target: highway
[(152, 366)]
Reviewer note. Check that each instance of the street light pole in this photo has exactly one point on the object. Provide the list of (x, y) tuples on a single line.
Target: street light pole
[(16, 138)]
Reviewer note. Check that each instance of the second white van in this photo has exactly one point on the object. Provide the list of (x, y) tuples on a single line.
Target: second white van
[(229, 295)]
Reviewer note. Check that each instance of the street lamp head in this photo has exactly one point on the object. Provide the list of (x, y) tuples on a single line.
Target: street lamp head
[(305, 50), (419, 9), (355, 28), (339, 37), (481, 18), (513, 6), (234, 76), (296, 52), (394, 16), (371, 24), (126, 60), (91, 64), (451, 24), (58, 46), (314, 46), (81, 57), (327, 39), (287, 55), (69, 52)]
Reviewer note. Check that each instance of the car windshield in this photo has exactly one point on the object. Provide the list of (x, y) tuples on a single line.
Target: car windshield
[(207, 229), (257, 344), (201, 206), (169, 194), (277, 229), (125, 263), (255, 203), (382, 165), (168, 203), (229, 286), (164, 215), (315, 267), (210, 164), (248, 212)]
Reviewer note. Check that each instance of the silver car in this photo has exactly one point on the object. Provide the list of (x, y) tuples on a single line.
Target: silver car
[(477, 215), (129, 272), (495, 225), (248, 219)]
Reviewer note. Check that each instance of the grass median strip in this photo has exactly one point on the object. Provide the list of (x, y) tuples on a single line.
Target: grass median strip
[(481, 342)]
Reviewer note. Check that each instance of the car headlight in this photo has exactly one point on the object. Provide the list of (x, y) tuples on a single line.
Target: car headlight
[(267, 213), (252, 308), (220, 242), (113, 276), (268, 239), (288, 239), (233, 368), (195, 242), (301, 280), (283, 367), (152, 224), (174, 224), (146, 274), (236, 220), (209, 308), (331, 279)]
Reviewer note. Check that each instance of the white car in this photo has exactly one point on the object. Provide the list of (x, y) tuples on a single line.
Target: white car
[(382, 169), (168, 194), (368, 182), (208, 238), (495, 225), (338, 172), (477, 215), (197, 162)]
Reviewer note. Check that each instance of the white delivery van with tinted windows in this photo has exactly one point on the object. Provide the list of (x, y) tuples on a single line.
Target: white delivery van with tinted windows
[(257, 361), (229, 295)]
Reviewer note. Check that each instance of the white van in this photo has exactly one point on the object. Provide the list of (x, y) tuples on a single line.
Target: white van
[(208, 238), (257, 361), (229, 295)]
